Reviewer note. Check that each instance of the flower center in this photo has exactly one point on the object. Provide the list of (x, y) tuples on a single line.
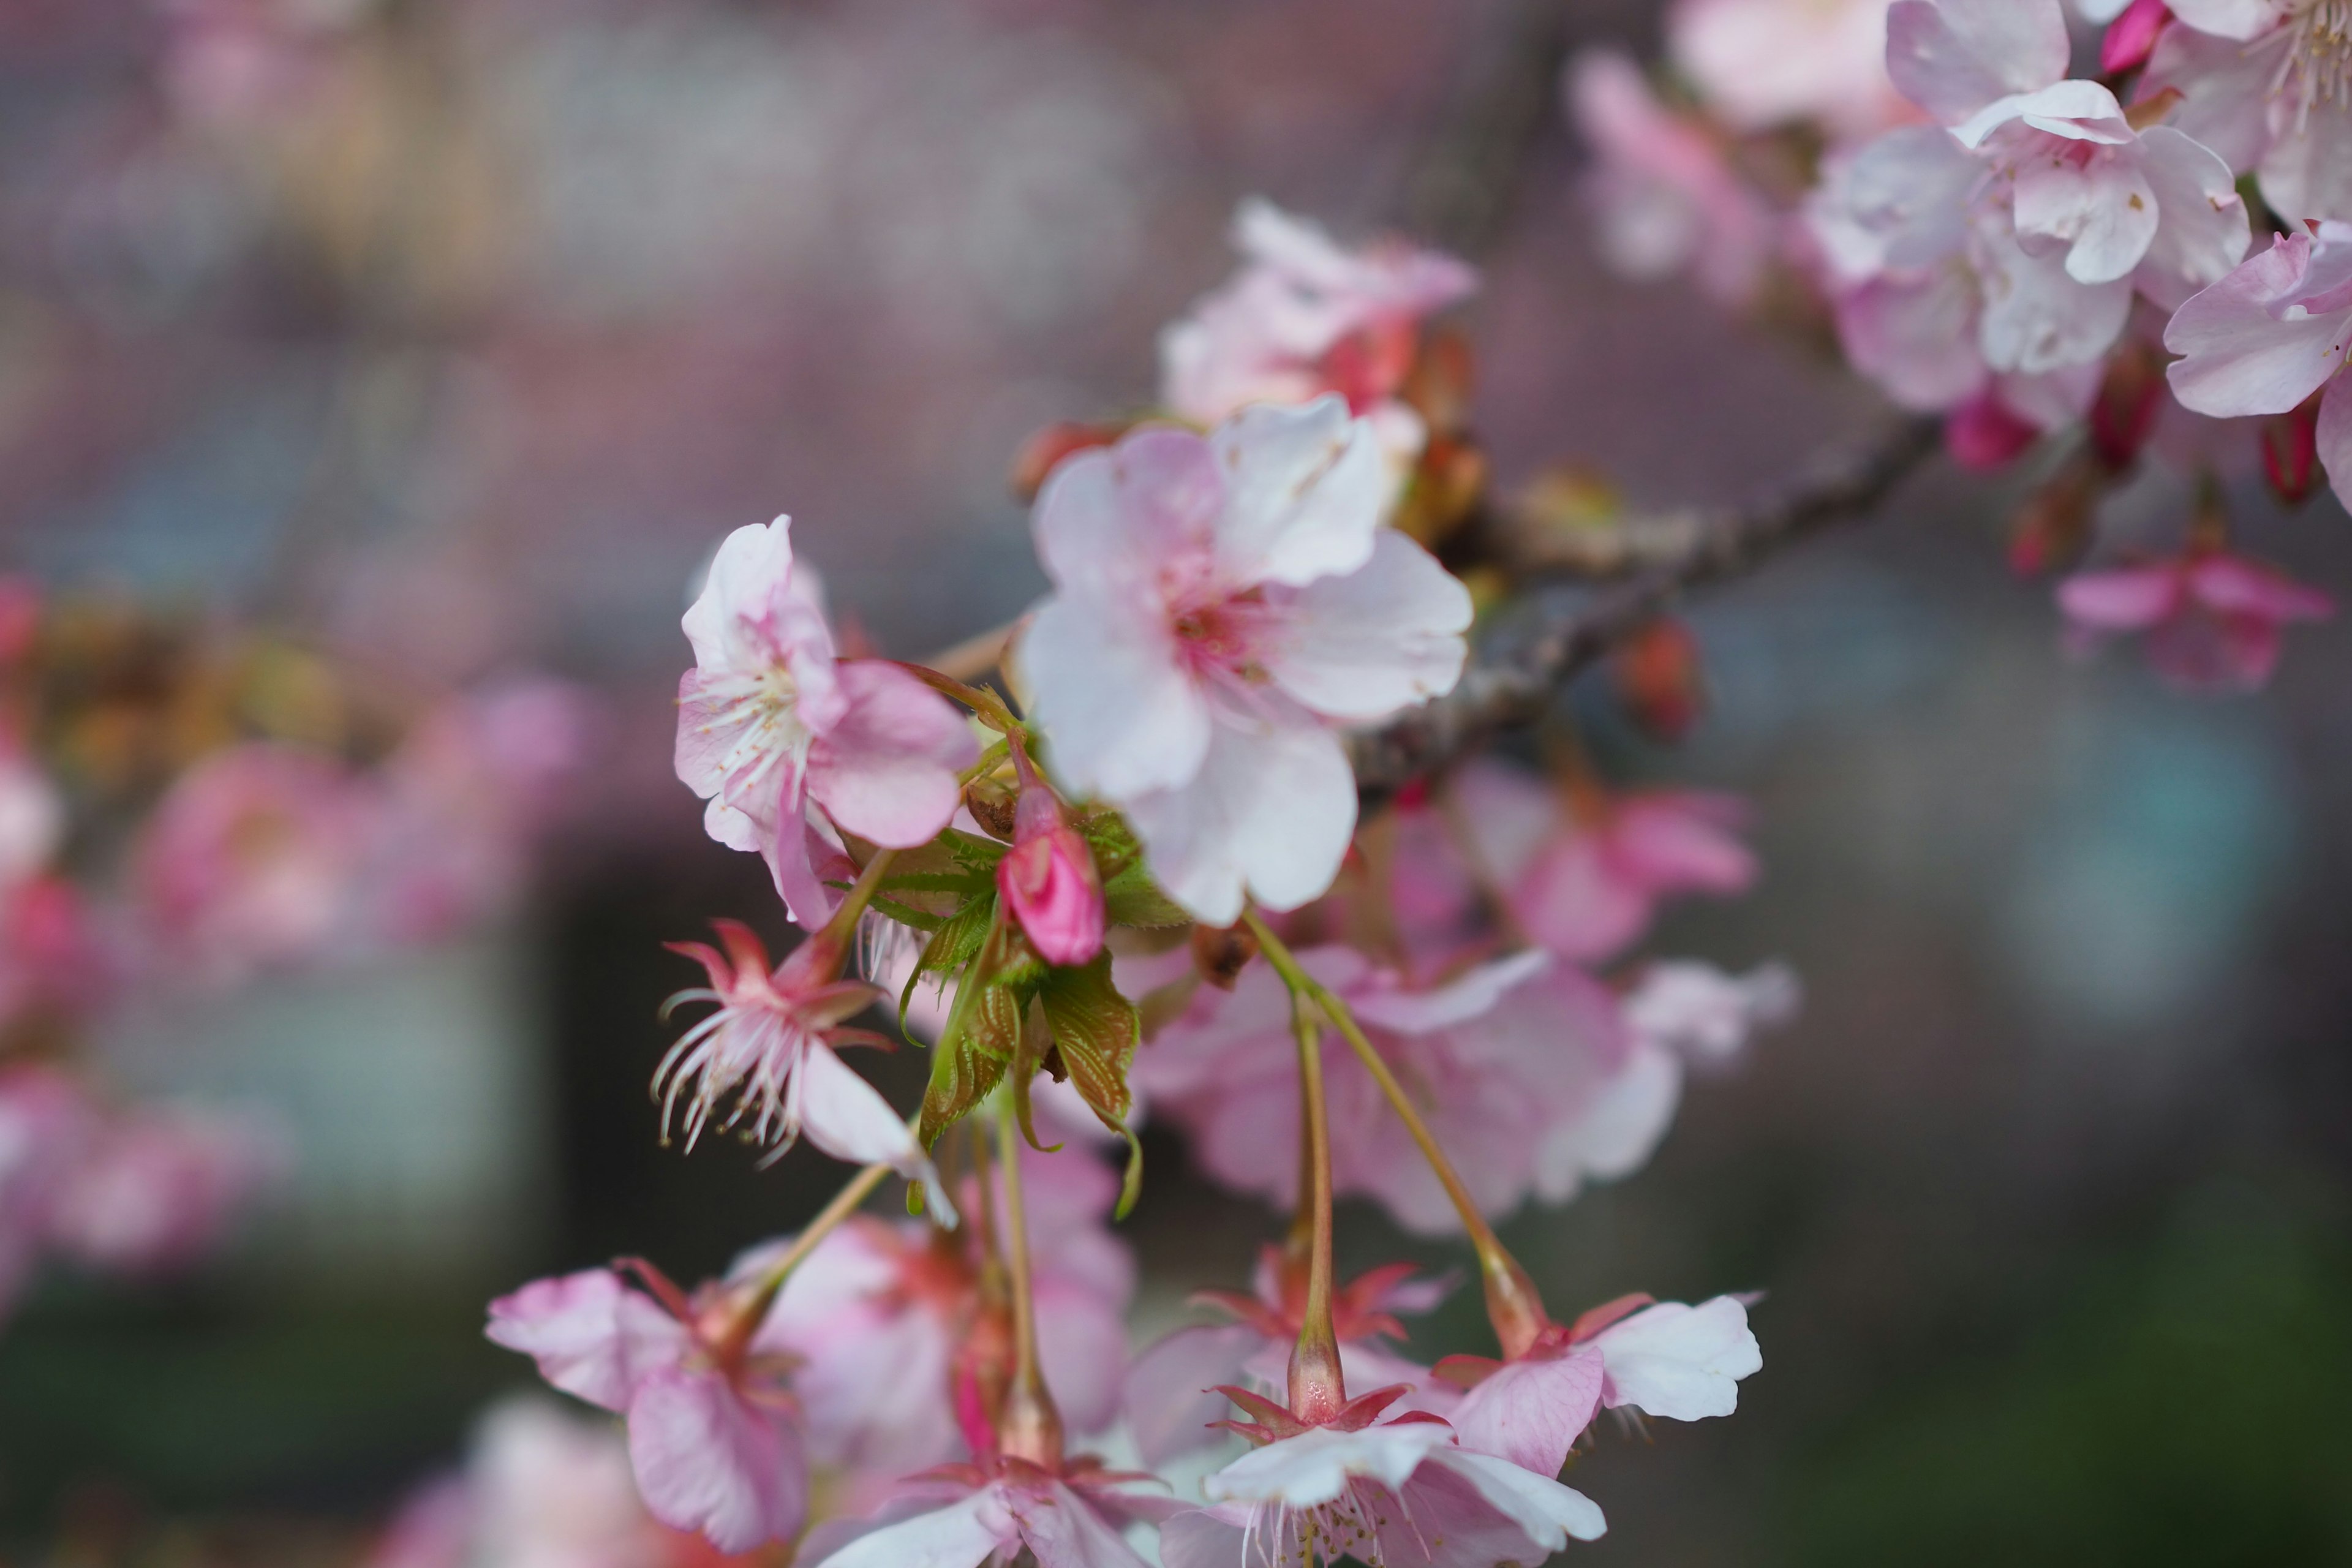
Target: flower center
[(762, 712)]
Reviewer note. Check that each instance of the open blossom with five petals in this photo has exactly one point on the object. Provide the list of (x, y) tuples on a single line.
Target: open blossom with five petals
[(961, 1516), (770, 724), (2266, 84), (1304, 318), (2211, 621), (2012, 243), (1219, 604), (771, 1043), (1403, 1491), (1664, 195), (2270, 336), (1172, 1395), (714, 1436)]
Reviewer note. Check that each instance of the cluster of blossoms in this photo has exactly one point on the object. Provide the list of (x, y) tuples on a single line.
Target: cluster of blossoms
[(2148, 259), (1131, 877), (181, 809)]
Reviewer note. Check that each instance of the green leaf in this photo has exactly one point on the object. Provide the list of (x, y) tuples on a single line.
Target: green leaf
[(1130, 897), (1095, 1030), (970, 1060), (953, 946)]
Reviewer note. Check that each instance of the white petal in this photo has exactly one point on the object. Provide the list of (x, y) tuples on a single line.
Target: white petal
[(1119, 714), (1615, 1134), (1951, 57), (1680, 1362), (1305, 488), (2202, 231), (2225, 88), (1389, 635), (2075, 110), (2307, 173), (1552, 1514), (847, 1117), (2036, 318), (958, 1536), (1316, 1466), (1269, 817)]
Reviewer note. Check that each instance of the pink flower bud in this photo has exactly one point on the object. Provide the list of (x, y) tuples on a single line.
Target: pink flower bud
[(1047, 879)]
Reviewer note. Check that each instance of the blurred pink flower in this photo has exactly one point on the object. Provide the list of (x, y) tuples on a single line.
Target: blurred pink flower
[(252, 860), (961, 1515), (770, 1045), (32, 818), (2267, 84), (877, 1314), (769, 723), (2213, 620), (1593, 888), (1172, 1394), (1219, 604), (1665, 198), (1402, 1491), (45, 1119), (714, 1439), (50, 957), (2271, 334), (1761, 63), (1707, 1016), (1304, 318), (155, 1188)]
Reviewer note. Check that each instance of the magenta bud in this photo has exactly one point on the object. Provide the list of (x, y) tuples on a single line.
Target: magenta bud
[(1047, 879)]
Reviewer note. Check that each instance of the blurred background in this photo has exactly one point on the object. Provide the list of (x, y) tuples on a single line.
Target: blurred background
[(445, 338)]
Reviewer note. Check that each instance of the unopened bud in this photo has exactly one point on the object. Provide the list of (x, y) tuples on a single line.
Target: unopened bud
[(2125, 409), (1660, 679), (2291, 452), (1984, 435), (1048, 881)]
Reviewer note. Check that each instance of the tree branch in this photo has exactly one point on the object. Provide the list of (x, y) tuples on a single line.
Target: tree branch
[(1561, 631)]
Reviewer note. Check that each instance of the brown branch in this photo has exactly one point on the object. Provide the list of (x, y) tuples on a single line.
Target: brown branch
[(1512, 679)]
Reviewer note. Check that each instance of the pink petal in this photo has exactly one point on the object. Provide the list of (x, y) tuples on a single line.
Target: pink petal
[(1171, 1396), (2236, 19), (2237, 357), (1575, 900), (886, 771), (2104, 211), (2126, 599), (1547, 1513), (2235, 585), (591, 1336), (1532, 1412), (1120, 713), (1680, 843), (1951, 57), (1064, 1531), (708, 1461), (1269, 817), (1389, 635), (847, 1117), (960, 1535)]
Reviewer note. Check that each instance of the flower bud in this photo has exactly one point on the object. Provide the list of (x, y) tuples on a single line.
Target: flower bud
[(1048, 883)]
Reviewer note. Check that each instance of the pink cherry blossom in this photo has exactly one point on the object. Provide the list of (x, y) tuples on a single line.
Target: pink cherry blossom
[(1221, 604), (2270, 334), (770, 724), (1172, 1390), (2211, 620), (877, 1313), (1305, 318), (1665, 198), (2266, 84), (45, 1118), (1522, 1066), (1706, 1015), (32, 818), (1048, 883), (50, 954), (1760, 63), (252, 860), (1404, 1490), (770, 1043), (155, 1189), (962, 1515), (714, 1439)]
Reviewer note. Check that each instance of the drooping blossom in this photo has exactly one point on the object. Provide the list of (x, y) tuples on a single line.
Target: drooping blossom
[(1305, 318), (2008, 246), (770, 724), (1171, 1396), (541, 1487), (1404, 1490), (1761, 63), (1008, 1510), (2267, 85), (715, 1441), (1221, 604), (154, 1189), (251, 860), (1522, 1067), (1664, 195), (877, 1313), (770, 1045), (2210, 620), (2270, 336)]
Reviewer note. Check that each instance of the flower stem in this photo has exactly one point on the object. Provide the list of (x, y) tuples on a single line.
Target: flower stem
[(841, 930), (1512, 1301), (845, 1203), (1032, 1427), (1317, 1388)]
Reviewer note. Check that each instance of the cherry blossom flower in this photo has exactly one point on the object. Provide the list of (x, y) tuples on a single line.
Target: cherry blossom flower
[(1172, 1390), (1665, 198), (2272, 334), (1760, 63), (1219, 604), (1521, 1065), (153, 1190), (2267, 85), (2211, 620), (770, 724), (770, 1043), (1072, 1518), (541, 1488), (1305, 318), (877, 1312), (251, 859), (2012, 243), (1404, 1490), (714, 1440)]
